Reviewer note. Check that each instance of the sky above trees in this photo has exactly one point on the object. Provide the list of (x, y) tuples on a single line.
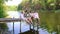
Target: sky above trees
[(13, 2)]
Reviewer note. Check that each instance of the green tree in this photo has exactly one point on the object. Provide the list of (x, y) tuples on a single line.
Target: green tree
[(3, 14)]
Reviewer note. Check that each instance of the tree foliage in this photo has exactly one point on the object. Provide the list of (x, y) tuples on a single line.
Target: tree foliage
[(3, 14), (12, 8)]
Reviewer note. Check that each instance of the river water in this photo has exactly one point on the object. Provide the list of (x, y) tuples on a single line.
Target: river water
[(24, 25)]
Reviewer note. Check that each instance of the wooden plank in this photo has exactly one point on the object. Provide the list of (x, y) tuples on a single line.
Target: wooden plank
[(9, 19)]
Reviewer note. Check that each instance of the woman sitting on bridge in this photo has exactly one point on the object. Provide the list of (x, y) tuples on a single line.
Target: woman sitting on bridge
[(24, 15), (28, 17), (35, 17)]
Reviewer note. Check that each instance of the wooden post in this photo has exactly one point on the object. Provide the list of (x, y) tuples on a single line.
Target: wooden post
[(13, 27), (20, 26), (30, 26)]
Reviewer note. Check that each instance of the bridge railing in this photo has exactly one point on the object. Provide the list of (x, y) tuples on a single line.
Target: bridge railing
[(5, 20)]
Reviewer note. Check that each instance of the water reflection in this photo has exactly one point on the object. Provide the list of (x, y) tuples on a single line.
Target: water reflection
[(25, 27)]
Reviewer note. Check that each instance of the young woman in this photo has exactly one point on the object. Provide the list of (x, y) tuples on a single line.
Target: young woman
[(35, 17), (28, 17)]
